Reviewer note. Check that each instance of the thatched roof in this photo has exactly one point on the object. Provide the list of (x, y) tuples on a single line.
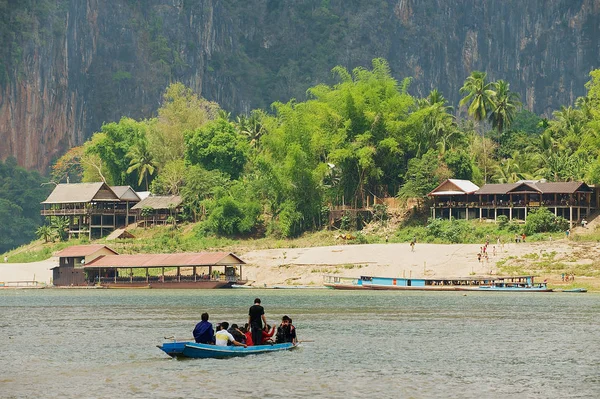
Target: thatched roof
[(126, 193), (536, 187), (119, 233), (159, 202), (81, 192)]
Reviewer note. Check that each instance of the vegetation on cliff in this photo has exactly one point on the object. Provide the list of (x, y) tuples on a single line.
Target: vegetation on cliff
[(278, 173), (20, 195)]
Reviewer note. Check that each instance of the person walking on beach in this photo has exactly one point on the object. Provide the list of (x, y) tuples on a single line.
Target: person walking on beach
[(412, 246), (256, 320)]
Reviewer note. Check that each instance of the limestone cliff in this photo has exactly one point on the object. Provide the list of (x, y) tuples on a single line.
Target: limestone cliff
[(78, 63)]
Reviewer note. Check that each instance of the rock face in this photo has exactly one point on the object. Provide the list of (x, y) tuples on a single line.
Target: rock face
[(94, 61)]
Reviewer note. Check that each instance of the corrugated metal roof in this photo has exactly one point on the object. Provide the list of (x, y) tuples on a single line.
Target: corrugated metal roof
[(447, 193), (82, 250), (125, 193), (462, 187), (466, 186), (158, 202), (80, 192), (167, 260)]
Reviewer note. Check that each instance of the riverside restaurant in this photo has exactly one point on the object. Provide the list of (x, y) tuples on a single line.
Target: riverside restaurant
[(462, 199), (181, 270), (99, 265)]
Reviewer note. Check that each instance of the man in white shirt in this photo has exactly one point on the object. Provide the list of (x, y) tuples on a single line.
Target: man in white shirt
[(222, 337)]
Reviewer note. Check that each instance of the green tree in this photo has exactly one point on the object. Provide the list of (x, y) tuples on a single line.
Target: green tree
[(479, 95), (217, 146), (112, 148), (45, 232), (60, 227), (505, 104), (141, 161), (181, 111)]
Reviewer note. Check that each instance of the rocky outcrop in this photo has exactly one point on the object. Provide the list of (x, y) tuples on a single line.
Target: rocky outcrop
[(99, 60)]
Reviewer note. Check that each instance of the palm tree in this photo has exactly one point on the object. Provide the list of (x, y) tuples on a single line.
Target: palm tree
[(45, 232), (479, 95), (505, 106), (142, 161), (60, 227)]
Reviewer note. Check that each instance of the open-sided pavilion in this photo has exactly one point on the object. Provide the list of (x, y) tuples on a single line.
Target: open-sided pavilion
[(462, 199)]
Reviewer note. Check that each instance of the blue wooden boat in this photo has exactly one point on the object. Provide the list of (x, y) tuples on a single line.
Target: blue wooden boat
[(575, 290), (471, 283), (193, 350)]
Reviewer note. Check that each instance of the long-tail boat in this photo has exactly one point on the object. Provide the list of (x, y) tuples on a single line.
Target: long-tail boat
[(189, 349)]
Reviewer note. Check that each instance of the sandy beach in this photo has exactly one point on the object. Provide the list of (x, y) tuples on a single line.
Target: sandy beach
[(306, 266)]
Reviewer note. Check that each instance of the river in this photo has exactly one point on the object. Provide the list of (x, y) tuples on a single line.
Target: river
[(61, 343)]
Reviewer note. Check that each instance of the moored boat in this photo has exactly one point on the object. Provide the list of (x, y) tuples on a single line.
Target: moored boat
[(343, 283), (575, 290), (474, 283), (204, 351)]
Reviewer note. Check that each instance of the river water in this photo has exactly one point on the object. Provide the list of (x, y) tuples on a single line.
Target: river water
[(102, 344)]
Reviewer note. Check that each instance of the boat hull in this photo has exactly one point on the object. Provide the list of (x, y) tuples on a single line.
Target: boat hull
[(505, 289), (346, 286), (193, 350), (173, 285), (411, 288)]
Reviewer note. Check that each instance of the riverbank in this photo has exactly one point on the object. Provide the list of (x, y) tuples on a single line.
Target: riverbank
[(306, 266)]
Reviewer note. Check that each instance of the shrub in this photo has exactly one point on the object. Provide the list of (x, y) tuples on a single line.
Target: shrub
[(502, 221), (542, 221)]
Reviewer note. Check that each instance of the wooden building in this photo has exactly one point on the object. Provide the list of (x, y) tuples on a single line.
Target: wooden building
[(570, 200), (93, 209), (71, 262), (188, 270), (159, 209)]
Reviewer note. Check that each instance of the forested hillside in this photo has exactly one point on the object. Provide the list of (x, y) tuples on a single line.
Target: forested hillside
[(278, 172), (68, 66), (21, 192)]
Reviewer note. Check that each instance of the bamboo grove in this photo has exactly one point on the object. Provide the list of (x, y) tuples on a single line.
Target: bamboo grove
[(278, 171)]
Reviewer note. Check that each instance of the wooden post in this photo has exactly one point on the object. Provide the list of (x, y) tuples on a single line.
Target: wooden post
[(241, 278), (147, 276), (131, 275), (194, 273)]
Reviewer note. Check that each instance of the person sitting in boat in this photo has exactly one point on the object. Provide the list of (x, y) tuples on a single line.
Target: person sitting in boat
[(267, 333), (286, 332), (223, 337), (237, 334), (247, 334), (203, 332)]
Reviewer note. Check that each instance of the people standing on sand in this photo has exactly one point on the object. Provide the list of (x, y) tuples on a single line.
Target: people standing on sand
[(523, 237), (479, 257), (412, 246), (567, 233), (494, 250), (256, 320)]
